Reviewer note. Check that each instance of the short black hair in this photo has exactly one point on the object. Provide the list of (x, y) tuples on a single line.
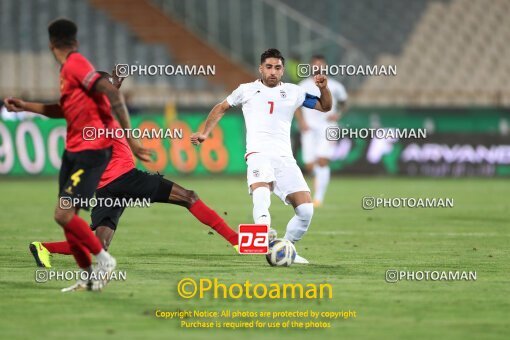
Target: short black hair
[(318, 57), (62, 33), (271, 53)]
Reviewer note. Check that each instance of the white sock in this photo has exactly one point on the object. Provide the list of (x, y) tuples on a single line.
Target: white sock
[(261, 202), (322, 175), (298, 225), (103, 256)]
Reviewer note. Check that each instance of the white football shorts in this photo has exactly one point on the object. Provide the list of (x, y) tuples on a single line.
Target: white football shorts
[(283, 171)]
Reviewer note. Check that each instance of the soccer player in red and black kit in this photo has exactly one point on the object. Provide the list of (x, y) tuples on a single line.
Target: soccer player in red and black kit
[(86, 101), (122, 180)]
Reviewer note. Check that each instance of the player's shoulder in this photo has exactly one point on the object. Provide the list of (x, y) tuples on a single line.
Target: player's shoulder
[(76, 57), (292, 87), (76, 60), (248, 86), (252, 84), (241, 93)]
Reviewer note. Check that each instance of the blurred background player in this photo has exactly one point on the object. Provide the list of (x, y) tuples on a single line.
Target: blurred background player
[(84, 103), (317, 150), (122, 180), (268, 108)]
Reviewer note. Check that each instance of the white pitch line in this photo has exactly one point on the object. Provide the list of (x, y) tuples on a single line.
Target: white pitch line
[(342, 232)]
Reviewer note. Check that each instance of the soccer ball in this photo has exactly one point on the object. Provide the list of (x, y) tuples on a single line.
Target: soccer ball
[(281, 253)]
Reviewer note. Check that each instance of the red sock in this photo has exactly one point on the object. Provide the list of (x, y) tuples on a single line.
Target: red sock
[(81, 230), (61, 247), (80, 252), (209, 217)]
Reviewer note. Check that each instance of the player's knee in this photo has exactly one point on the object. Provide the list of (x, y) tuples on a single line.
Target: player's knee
[(304, 211), (309, 168), (194, 197), (191, 198), (323, 162), (63, 217)]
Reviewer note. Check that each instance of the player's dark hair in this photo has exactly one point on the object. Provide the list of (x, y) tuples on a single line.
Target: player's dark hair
[(318, 57), (62, 33), (271, 53)]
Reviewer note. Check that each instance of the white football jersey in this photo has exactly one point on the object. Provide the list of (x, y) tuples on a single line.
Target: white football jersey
[(317, 119), (268, 113)]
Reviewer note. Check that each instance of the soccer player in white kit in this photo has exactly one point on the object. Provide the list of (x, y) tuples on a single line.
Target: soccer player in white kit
[(268, 108), (317, 150)]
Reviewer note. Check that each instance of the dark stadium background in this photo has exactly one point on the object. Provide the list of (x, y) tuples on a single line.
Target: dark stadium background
[(451, 57)]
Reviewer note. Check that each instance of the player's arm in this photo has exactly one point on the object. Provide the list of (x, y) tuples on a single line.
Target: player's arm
[(212, 120), (120, 110), (325, 102), (52, 110), (301, 120)]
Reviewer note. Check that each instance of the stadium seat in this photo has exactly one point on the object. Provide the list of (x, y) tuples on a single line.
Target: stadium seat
[(448, 57), (28, 66)]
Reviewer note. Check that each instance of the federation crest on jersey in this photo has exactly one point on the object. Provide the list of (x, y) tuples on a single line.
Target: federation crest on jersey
[(283, 94), (256, 173)]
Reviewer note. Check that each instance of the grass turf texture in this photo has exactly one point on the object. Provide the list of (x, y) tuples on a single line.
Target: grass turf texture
[(349, 248)]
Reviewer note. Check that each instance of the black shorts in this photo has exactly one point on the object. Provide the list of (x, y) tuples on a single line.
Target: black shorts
[(134, 184), (80, 174)]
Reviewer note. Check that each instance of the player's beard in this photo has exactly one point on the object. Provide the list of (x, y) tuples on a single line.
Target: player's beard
[(270, 82)]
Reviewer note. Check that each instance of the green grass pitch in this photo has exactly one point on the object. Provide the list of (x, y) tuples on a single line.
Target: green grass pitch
[(349, 248)]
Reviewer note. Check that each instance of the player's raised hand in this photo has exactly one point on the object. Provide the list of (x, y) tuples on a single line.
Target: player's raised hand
[(14, 104), (320, 80), (117, 81), (198, 138)]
